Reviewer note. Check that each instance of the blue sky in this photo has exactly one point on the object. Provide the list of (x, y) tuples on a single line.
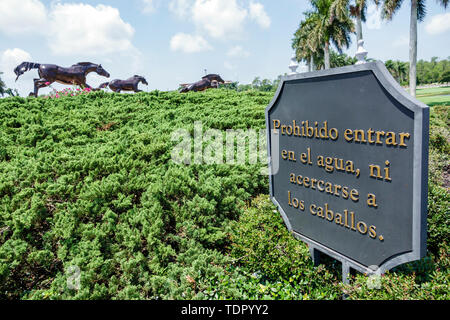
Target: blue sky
[(173, 41)]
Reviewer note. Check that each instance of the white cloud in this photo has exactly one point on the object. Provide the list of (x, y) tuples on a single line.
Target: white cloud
[(21, 17), (238, 51), (258, 13), (439, 23), (11, 58), (70, 29), (219, 18), (181, 8), (189, 43), (373, 20), (149, 6), (88, 30)]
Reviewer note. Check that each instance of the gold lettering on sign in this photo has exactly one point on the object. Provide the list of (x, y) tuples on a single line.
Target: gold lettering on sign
[(371, 200), (375, 171), (333, 163), (403, 136), (276, 125), (323, 131)]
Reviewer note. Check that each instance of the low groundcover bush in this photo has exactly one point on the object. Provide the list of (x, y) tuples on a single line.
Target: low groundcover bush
[(88, 189)]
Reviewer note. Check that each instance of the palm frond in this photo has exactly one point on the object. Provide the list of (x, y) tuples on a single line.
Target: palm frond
[(338, 9), (443, 3), (328, 22), (390, 8), (421, 10)]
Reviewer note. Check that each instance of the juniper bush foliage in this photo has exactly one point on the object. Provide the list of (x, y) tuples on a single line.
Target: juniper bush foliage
[(87, 181)]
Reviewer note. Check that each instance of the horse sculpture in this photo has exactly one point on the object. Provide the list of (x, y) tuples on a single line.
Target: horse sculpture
[(49, 73), (208, 81), (131, 84)]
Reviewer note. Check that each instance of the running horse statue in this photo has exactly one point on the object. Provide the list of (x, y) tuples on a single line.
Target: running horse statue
[(208, 81), (49, 73), (131, 84)]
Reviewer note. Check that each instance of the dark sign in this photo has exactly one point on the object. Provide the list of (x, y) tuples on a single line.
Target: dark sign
[(349, 152)]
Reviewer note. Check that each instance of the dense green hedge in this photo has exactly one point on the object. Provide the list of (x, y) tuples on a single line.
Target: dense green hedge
[(87, 181)]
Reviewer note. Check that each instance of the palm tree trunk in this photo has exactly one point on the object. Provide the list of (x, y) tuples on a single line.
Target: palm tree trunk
[(359, 35), (413, 48), (312, 63), (327, 55)]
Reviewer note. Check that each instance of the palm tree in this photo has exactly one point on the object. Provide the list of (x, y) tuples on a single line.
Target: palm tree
[(2, 86), (357, 10), (398, 69), (341, 60), (418, 12), (306, 46), (256, 83), (329, 28)]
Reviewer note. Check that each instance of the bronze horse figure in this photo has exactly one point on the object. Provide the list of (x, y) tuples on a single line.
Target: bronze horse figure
[(207, 82), (131, 84), (49, 73)]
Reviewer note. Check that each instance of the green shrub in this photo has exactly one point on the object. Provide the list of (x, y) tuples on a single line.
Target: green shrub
[(266, 262), (88, 181), (426, 279), (261, 242), (439, 180)]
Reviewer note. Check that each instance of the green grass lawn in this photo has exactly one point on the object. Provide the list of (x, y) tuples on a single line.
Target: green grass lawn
[(434, 96)]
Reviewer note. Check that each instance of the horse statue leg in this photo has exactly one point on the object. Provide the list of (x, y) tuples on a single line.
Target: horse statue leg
[(135, 87), (83, 84), (40, 83), (114, 87)]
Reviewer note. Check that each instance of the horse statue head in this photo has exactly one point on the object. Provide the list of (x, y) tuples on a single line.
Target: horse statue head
[(21, 69), (99, 70), (140, 78)]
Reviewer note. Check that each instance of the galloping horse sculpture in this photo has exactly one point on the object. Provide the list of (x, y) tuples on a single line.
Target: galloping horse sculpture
[(49, 73), (131, 84), (206, 83)]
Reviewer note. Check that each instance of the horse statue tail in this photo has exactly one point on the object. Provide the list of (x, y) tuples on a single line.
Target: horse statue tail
[(24, 67), (103, 85)]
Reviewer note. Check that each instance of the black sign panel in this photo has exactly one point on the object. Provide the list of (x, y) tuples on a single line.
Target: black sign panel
[(349, 164)]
